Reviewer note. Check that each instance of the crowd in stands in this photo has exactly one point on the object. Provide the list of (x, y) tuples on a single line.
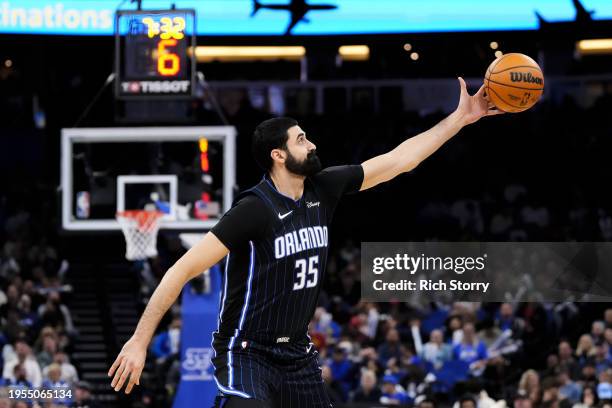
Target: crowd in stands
[(36, 326), (489, 354)]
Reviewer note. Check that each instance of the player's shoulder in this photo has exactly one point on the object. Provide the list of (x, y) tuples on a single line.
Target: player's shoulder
[(335, 173), (251, 199)]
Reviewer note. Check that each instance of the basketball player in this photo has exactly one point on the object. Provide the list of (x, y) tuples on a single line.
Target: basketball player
[(275, 241)]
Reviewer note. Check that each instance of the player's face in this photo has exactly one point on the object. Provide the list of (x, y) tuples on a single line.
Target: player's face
[(301, 157)]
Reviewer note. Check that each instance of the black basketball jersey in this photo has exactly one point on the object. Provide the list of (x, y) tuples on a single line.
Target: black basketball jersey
[(278, 251)]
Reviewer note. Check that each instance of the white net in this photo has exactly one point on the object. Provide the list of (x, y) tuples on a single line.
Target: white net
[(140, 229)]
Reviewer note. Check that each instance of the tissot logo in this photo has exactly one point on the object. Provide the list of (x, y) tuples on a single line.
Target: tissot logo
[(525, 77), (155, 87)]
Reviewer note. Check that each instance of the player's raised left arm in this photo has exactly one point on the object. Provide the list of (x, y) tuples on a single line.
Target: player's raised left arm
[(413, 151)]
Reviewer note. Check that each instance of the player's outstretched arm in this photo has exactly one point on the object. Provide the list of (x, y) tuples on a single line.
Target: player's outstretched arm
[(130, 361), (413, 151)]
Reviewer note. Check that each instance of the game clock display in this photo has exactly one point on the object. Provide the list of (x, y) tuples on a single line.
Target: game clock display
[(152, 58)]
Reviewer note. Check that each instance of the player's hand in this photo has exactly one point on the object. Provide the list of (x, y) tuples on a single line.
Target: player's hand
[(473, 107), (128, 365)]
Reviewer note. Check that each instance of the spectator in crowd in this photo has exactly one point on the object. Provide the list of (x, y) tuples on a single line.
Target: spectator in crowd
[(392, 393), (25, 358), (27, 318), (435, 351), (12, 300), (588, 399), (597, 332), (602, 357), (167, 343), (341, 369), (60, 388), (390, 348), (367, 391), (426, 403), (18, 379), (454, 331), (68, 371), (55, 314), (550, 394), (604, 388), (566, 359), (529, 386), (507, 321), (585, 351), (82, 396), (467, 401), (588, 377), (45, 357), (522, 401), (324, 324), (471, 349), (334, 389), (608, 318), (568, 389)]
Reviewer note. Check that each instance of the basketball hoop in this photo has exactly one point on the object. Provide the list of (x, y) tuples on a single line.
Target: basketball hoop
[(140, 229)]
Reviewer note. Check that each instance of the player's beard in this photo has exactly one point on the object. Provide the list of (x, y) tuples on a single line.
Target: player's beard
[(310, 166)]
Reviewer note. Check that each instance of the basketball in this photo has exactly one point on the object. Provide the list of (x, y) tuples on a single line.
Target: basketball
[(514, 82)]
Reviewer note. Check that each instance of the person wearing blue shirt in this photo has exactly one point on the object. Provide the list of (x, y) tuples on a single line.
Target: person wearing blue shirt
[(390, 393), (60, 388), (392, 347), (342, 369), (471, 350)]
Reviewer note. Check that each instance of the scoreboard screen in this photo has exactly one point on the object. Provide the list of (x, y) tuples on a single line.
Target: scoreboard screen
[(152, 59)]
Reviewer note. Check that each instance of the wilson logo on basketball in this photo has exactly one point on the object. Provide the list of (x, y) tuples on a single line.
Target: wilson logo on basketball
[(525, 77)]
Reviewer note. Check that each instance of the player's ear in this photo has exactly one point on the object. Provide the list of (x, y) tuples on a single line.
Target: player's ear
[(278, 155)]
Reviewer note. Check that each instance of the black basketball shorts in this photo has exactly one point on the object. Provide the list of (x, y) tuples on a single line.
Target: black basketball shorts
[(277, 374)]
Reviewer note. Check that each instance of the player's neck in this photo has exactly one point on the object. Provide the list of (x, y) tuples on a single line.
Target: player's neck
[(288, 184)]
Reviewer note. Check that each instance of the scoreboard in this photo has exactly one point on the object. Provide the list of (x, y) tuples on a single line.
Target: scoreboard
[(151, 54)]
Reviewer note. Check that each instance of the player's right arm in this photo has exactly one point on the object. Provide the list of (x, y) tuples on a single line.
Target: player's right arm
[(413, 151), (130, 361), (244, 221)]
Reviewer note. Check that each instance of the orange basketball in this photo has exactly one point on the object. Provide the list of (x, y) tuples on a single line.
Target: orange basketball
[(514, 82)]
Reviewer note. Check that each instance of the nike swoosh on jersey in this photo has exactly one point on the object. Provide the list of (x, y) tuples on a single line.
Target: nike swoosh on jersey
[(280, 217)]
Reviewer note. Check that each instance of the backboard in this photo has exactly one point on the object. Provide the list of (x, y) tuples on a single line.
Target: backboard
[(188, 173)]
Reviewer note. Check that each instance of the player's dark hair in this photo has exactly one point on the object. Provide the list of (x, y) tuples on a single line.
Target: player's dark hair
[(269, 135)]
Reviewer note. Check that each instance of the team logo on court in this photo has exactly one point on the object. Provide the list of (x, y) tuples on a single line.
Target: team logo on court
[(196, 364)]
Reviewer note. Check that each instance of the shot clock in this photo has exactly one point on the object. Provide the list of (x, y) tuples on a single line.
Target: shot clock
[(151, 54)]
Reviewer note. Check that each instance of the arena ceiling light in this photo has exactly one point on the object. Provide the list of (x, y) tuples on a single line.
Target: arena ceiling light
[(595, 46), (354, 52), (248, 53)]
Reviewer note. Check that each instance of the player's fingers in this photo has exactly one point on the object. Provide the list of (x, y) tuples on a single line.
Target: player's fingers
[(462, 85), (124, 377), (134, 379), (481, 91), (131, 383), (115, 365), (492, 112), (119, 373)]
